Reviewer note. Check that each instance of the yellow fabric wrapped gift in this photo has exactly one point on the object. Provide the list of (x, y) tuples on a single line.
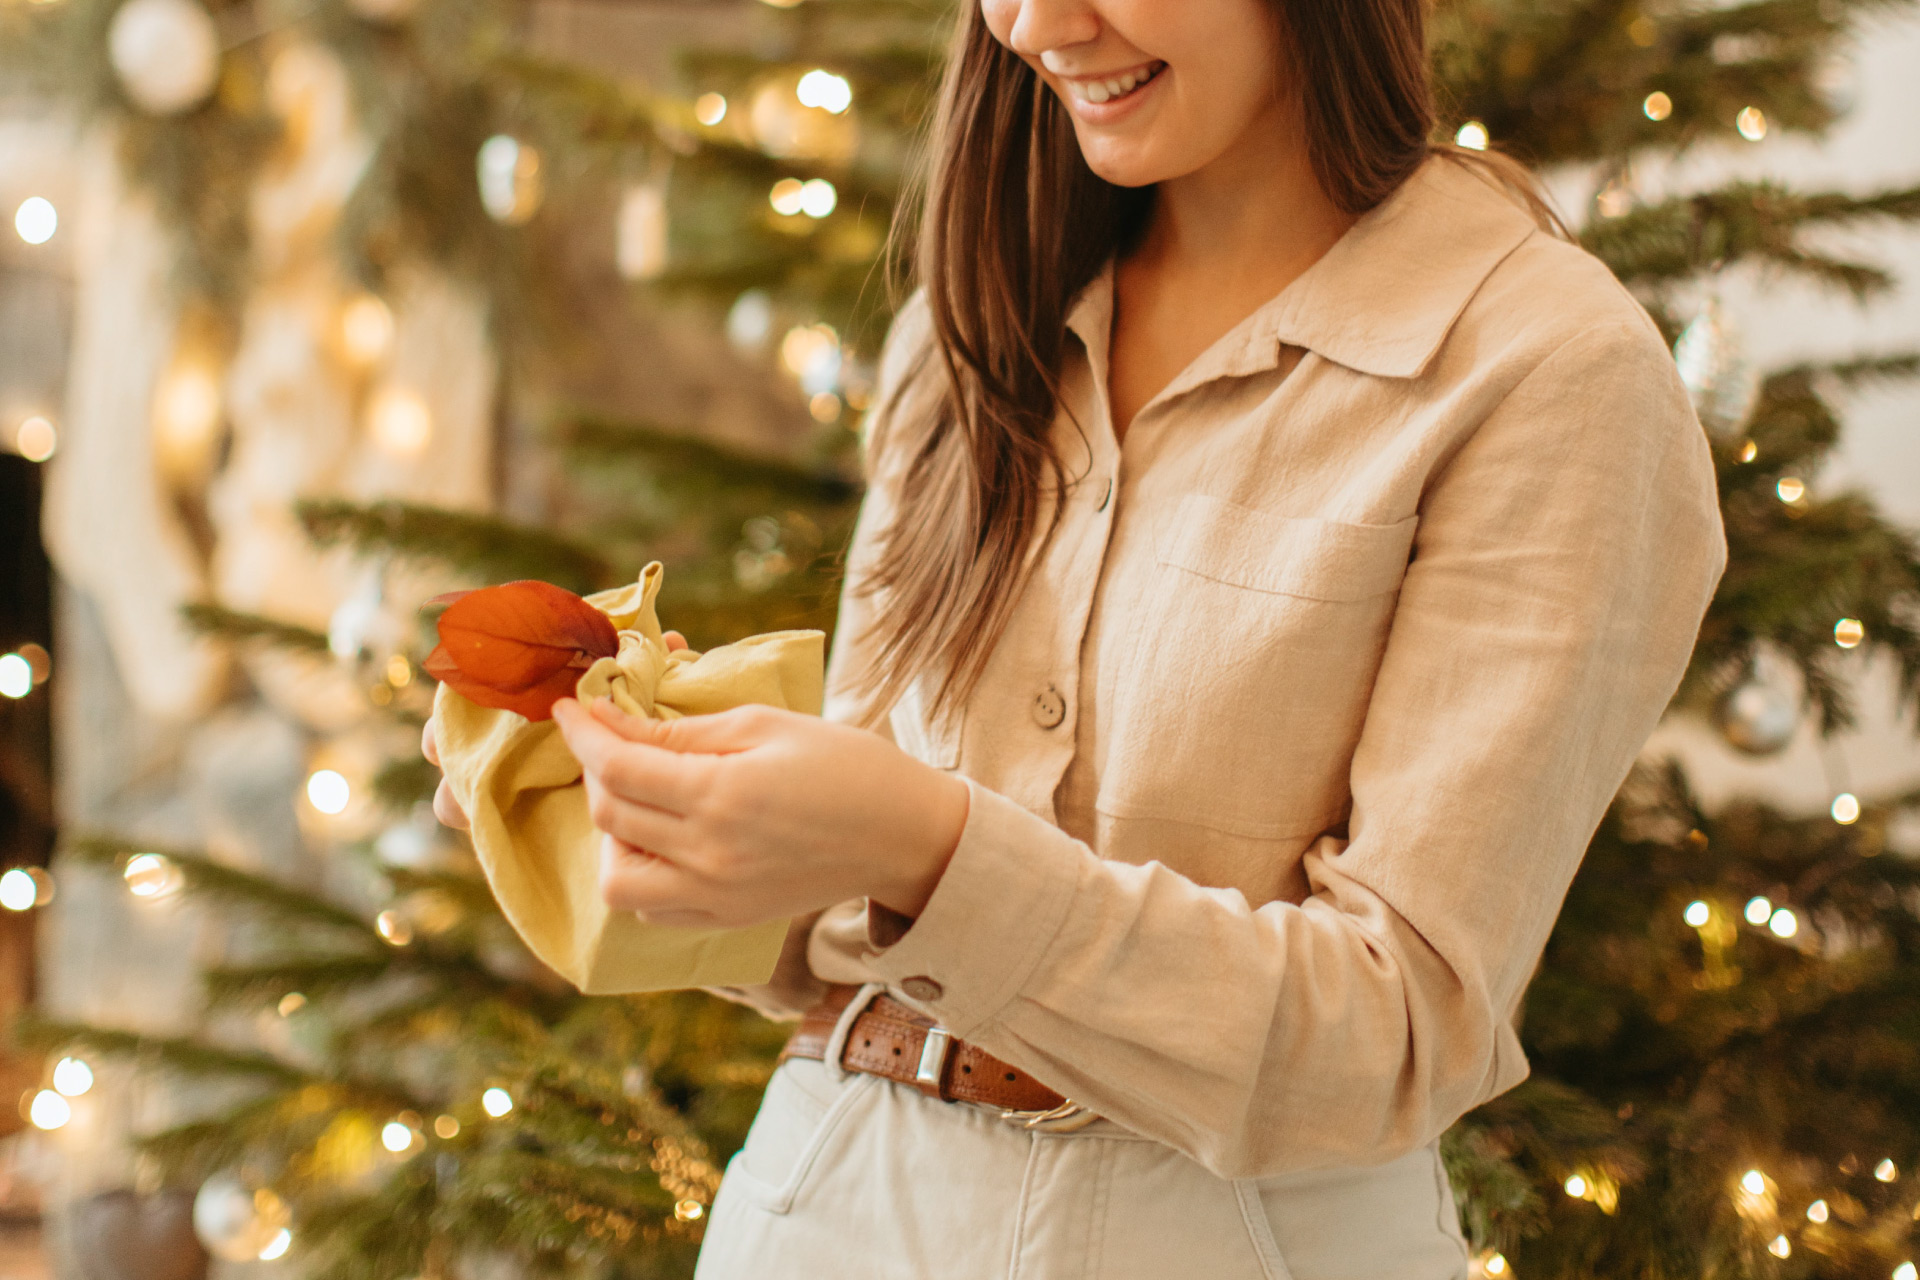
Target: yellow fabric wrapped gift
[(522, 791)]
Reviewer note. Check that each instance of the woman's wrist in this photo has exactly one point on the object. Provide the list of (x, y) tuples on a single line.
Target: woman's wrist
[(945, 819)]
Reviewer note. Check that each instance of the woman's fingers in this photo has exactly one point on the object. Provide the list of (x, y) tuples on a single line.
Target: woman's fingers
[(675, 641), (632, 770), (447, 809), (632, 879), (639, 825)]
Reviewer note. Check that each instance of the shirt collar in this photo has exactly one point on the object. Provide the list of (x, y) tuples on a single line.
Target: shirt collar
[(1380, 302)]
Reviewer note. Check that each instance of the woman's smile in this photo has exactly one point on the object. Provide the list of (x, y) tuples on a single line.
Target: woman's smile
[(1104, 98)]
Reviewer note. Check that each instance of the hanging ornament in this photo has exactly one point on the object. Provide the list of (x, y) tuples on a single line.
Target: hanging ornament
[(1761, 714), (1723, 385), (383, 11), (364, 630), (238, 1223), (640, 248), (166, 53), (510, 184)]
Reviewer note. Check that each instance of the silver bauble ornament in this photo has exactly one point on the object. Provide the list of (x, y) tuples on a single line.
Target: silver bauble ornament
[(235, 1222), (1722, 384), (165, 52), (1758, 716), (511, 187)]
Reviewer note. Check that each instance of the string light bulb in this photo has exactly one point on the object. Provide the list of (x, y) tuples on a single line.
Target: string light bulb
[(400, 422), (366, 330), (17, 890), (818, 198), (152, 876), (1784, 923), (1849, 632), (1753, 1182), (710, 109), (278, 1246), (496, 1102), (1495, 1265), (1846, 808), (1698, 914), (328, 791), (36, 220), (1906, 1271), (35, 439), (1780, 1247), (1657, 107), (186, 415), (1576, 1186), (689, 1210), (785, 197), (825, 90), (396, 1137), (1887, 1171), (1759, 910), (1790, 489), (1817, 1211), (16, 676), (446, 1127), (1752, 123), (1473, 136), (72, 1077), (49, 1110)]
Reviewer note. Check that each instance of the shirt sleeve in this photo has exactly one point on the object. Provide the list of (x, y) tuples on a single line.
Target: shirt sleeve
[(1563, 561)]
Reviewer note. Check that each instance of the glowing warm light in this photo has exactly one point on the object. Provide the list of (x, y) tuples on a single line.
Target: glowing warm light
[(446, 1127), (496, 1102), (818, 198), (366, 329), (1752, 123), (36, 220), (1817, 1211), (151, 875), (1698, 913), (187, 411), (1759, 910), (786, 197), (1495, 1265), (1781, 1247), (1576, 1186), (393, 926), (689, 1210), (49, 1110), (328, 791), (35, 439), (1658, 106), (1906, 1271), (807, 348), (825, 90), (1473, 136), (1791, 489), (825, 407), (72, 1077), (399, 671), (1846, 808), (395, 1136), (1784, 923), (18, 892), (278, 1246), (1749, 451), (16, 676), (400, 422), (710, 108), (1849, 632), (1753, 1182), (291, 1003), (1887, 1171)]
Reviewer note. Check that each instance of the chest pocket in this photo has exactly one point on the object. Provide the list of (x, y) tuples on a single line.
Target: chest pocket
[(1255, 641)]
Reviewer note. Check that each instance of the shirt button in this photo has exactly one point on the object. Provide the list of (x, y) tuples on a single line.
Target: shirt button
[(1049, 708), (922, 988)]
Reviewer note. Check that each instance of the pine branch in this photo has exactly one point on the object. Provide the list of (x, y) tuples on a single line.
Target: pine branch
[(230, 624), (496, 550), (1745, 221), (183, 1056), (227, 887)]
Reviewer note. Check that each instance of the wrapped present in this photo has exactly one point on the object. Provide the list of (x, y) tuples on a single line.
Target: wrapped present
[(503, 661)]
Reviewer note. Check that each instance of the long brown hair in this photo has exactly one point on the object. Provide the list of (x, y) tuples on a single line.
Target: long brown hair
[(1011, 225)]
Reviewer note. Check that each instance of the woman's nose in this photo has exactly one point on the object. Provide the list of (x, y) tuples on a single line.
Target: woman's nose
[(1041, 26)]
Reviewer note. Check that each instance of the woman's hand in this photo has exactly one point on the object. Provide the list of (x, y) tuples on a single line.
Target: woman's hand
[(445, 807), (755, 813)]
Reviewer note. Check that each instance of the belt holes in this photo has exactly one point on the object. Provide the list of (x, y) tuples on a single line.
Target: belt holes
[(896, 1051), (965, 1069), (866, 1044), (1011, 1077)]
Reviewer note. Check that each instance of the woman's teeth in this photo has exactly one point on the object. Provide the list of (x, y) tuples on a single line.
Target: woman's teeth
[(1112, 87)]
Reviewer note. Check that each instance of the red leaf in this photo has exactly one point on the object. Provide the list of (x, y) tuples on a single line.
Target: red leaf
[(521, 646)]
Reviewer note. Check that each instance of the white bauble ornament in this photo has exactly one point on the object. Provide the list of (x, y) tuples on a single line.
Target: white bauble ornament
[(1723, 385), (1758, 716), (383, 10), (235, 1222), (166, 53), (510, 184), (364, 627)]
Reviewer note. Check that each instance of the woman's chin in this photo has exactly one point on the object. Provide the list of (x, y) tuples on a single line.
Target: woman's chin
[(1125, 167)]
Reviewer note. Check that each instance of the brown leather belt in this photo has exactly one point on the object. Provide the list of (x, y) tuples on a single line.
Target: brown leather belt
[(890, 1040)]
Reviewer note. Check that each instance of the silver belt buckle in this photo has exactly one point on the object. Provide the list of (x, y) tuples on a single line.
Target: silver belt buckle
[(1068, 1117), (932, 1071)]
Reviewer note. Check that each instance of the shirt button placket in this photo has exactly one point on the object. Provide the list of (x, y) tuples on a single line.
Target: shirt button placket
[(1049, 708)]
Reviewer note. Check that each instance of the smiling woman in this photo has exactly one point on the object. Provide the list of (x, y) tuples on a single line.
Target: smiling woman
[(1279, 543)]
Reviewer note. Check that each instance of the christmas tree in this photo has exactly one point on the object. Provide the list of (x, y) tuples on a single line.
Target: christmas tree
[(1725, 1031)]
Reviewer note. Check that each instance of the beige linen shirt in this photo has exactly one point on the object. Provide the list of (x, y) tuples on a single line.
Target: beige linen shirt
[(1313, 700)]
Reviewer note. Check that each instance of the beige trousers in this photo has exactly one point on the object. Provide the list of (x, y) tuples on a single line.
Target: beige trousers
[(851, 1177)]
